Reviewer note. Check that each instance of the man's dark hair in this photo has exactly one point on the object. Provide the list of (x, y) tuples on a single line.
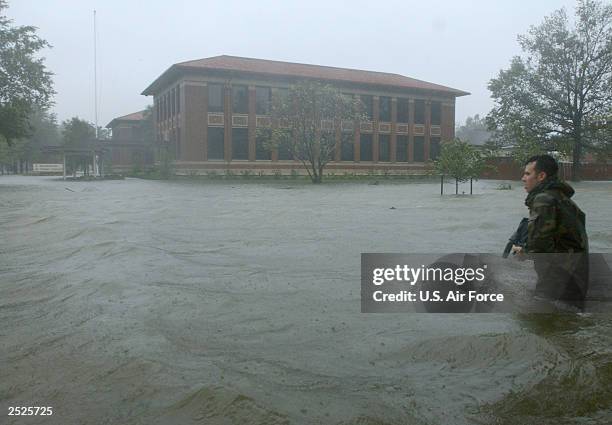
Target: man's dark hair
[(545, 163)]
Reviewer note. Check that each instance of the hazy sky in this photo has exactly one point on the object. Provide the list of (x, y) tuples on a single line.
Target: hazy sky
[(461, 44)]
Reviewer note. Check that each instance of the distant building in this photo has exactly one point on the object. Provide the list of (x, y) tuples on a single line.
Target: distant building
[(208, 112), (128, 146)]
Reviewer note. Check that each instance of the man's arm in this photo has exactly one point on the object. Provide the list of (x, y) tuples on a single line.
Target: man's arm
[(542, 227)]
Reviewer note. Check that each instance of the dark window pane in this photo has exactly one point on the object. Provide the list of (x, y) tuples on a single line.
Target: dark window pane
[(365, 147), (215, 98), (240, 143), (383, 147), (402, 110), (240, 100), (347, 149), (284, 152), (367, 105), (419, 149), (215, 142), (176, 136), (282, 94), (419, 111), (261, 153), (434, 148), (262, 100), (401, 149), (436, 112), (384, 112), (173, 102)]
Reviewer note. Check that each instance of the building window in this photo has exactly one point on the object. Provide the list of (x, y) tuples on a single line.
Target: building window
[(434, 148), (262, 100), (384, 112), (284, 152), (365, 147), (240, 143), (261, 153), (282, 94), (177, 140), (173, 103), (215, 98), (383, 147), (367, 105), (419, 111), (240, 100), (216, 143), (402, 110), (436, 113), (419, 149), (347, 150), (401, 149)]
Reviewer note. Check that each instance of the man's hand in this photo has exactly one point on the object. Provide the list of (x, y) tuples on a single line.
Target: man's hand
[(518, 252)]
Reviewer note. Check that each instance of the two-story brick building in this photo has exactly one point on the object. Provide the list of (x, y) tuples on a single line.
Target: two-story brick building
[(129, 146), (208, 111)]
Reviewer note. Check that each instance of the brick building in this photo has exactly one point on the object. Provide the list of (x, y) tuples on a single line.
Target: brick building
[(128, 146), (208, 110)]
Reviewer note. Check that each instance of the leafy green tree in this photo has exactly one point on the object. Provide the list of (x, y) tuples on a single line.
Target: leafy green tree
[(24, 81), (461, 161), (474, 131), (560, 85), (148, 125), (25, 150), (306, 120), (77, 134)]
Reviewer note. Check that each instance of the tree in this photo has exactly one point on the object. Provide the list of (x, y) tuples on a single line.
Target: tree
[(147, 124), (563, 82), (461, 161), (306, 122), (474, 131), (24, 80), (76, 134)]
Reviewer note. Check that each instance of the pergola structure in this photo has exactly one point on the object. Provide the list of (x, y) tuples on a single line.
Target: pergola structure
[(95, 149)]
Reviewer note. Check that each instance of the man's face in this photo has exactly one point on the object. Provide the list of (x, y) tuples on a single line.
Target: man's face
[(531, 178)]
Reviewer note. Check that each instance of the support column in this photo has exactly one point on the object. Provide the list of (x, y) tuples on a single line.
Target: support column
[(274, 123), (64, 174), (357, 134), (252, 121), (393, 143), (376, 120), (338, 138), (427, 129), (410, 130), (227, 109)]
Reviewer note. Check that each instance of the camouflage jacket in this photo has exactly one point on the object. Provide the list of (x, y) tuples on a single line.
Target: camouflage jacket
[(556, 224)]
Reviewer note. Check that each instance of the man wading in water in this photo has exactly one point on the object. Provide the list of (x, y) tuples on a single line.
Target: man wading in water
[(557, 239)]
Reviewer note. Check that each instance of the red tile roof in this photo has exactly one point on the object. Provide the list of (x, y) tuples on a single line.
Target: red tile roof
[(134, 116), (298, 70)]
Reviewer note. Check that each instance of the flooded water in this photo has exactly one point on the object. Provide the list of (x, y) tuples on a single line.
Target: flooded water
[(182, 302)]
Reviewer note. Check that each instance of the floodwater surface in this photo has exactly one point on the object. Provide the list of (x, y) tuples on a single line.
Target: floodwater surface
[(191, 302)]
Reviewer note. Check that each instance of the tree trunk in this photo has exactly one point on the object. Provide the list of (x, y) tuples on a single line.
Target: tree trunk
[(470, 186), (441, 185), (576, 156), (456, 186)]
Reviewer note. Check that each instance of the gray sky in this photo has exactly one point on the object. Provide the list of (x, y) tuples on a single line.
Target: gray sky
[(461, 44)]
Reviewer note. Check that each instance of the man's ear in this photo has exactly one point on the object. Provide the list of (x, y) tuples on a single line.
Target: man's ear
[(541, 176)]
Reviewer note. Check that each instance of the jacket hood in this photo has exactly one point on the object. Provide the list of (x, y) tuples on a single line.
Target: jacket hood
[(550, 184)]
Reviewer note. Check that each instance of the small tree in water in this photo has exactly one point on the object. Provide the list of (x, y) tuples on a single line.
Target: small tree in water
[(461, 161), (305, 123)]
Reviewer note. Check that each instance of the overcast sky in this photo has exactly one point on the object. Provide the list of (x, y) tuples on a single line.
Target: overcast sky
[(461, 44)]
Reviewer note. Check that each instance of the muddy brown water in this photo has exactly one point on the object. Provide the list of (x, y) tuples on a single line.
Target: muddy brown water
[(185, 302)]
